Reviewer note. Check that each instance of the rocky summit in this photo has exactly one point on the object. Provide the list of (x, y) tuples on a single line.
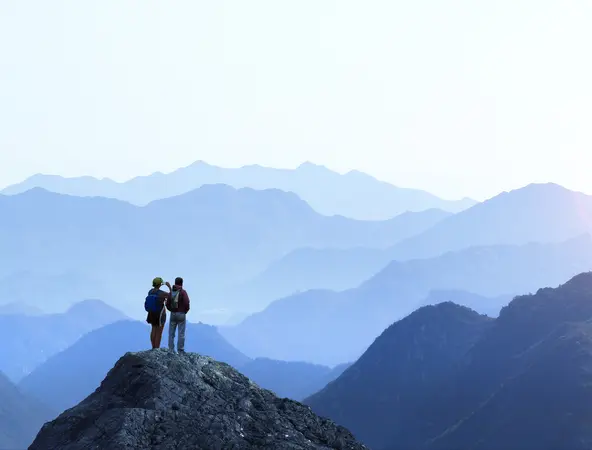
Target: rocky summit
[(160, 400)]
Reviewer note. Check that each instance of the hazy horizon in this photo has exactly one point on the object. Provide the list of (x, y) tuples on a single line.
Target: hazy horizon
[(459, 99), (239, 166), (342, 172)]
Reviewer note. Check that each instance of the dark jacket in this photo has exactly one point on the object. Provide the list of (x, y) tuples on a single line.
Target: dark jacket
[(182, 300)]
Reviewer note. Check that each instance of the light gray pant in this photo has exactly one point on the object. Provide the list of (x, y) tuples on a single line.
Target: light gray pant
[(177, 320)]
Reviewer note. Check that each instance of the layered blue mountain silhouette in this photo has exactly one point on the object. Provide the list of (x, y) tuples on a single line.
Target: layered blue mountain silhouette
[(20, 307), (221, 235), (69, 376), (327, 327), (535, 213), (230, 238), (21, 416), (295, 380), (445, 377), (400, 370), (31, 340), (490, 306), (544, 213), (324, 287), (324, 268), (354, 194), (51, 289)]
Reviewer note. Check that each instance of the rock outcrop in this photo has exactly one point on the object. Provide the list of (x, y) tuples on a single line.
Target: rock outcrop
[(70, 376), (159, 400)]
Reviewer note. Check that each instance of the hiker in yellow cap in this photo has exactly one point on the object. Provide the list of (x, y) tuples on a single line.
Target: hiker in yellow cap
[(154, 305)]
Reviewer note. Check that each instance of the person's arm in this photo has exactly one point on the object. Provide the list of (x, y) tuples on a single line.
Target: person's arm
[(186, 299), (166, 295)]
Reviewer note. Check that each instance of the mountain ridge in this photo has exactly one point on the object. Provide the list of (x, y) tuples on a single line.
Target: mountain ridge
[(340, 325), (20, 416), (369, 198), (70, 375), (96, 352), (555, 213), (310, 268), (423, 349), (538, 212), (235, 234), (522, 382), (36, 338)]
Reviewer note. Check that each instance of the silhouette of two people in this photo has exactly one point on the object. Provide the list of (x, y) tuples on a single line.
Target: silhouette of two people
[(177, 302)]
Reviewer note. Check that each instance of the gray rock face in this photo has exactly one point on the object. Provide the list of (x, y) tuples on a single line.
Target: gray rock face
[(159, 400)]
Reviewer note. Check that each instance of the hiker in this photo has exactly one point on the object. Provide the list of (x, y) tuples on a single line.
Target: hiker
[(156, 312), (178, 305)]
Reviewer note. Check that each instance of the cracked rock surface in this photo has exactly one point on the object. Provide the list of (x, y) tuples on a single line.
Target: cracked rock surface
[(159, 400)]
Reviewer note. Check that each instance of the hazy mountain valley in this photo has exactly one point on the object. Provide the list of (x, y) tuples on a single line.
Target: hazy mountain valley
[(371, 323)]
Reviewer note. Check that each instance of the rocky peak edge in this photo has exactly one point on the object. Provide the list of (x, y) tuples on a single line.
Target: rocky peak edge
[(159, 400)]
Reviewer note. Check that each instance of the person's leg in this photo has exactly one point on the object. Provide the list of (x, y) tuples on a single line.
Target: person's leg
[(152, 335), (158, 336), (182, 322), (160, 328), (172, 329)]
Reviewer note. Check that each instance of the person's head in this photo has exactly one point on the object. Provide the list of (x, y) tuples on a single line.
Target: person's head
[(179, 281), (157, 282)]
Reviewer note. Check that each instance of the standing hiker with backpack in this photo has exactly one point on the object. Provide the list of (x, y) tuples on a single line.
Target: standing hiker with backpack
[(154, 305), (178, 305)]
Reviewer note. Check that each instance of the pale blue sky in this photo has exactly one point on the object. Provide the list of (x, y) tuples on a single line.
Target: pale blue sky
[(457, 97)]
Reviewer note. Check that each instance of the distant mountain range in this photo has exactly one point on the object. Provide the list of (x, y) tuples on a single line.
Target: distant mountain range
[(295, 380), (69, 376), (324, 288), (51, 289), (31, 340), (322, 268), (354, 194), (214, 236), (447, 378), (17, 307), (21, 417), (543, 213), (326, 327), (536, 213), (240, 249), (490, 306)]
